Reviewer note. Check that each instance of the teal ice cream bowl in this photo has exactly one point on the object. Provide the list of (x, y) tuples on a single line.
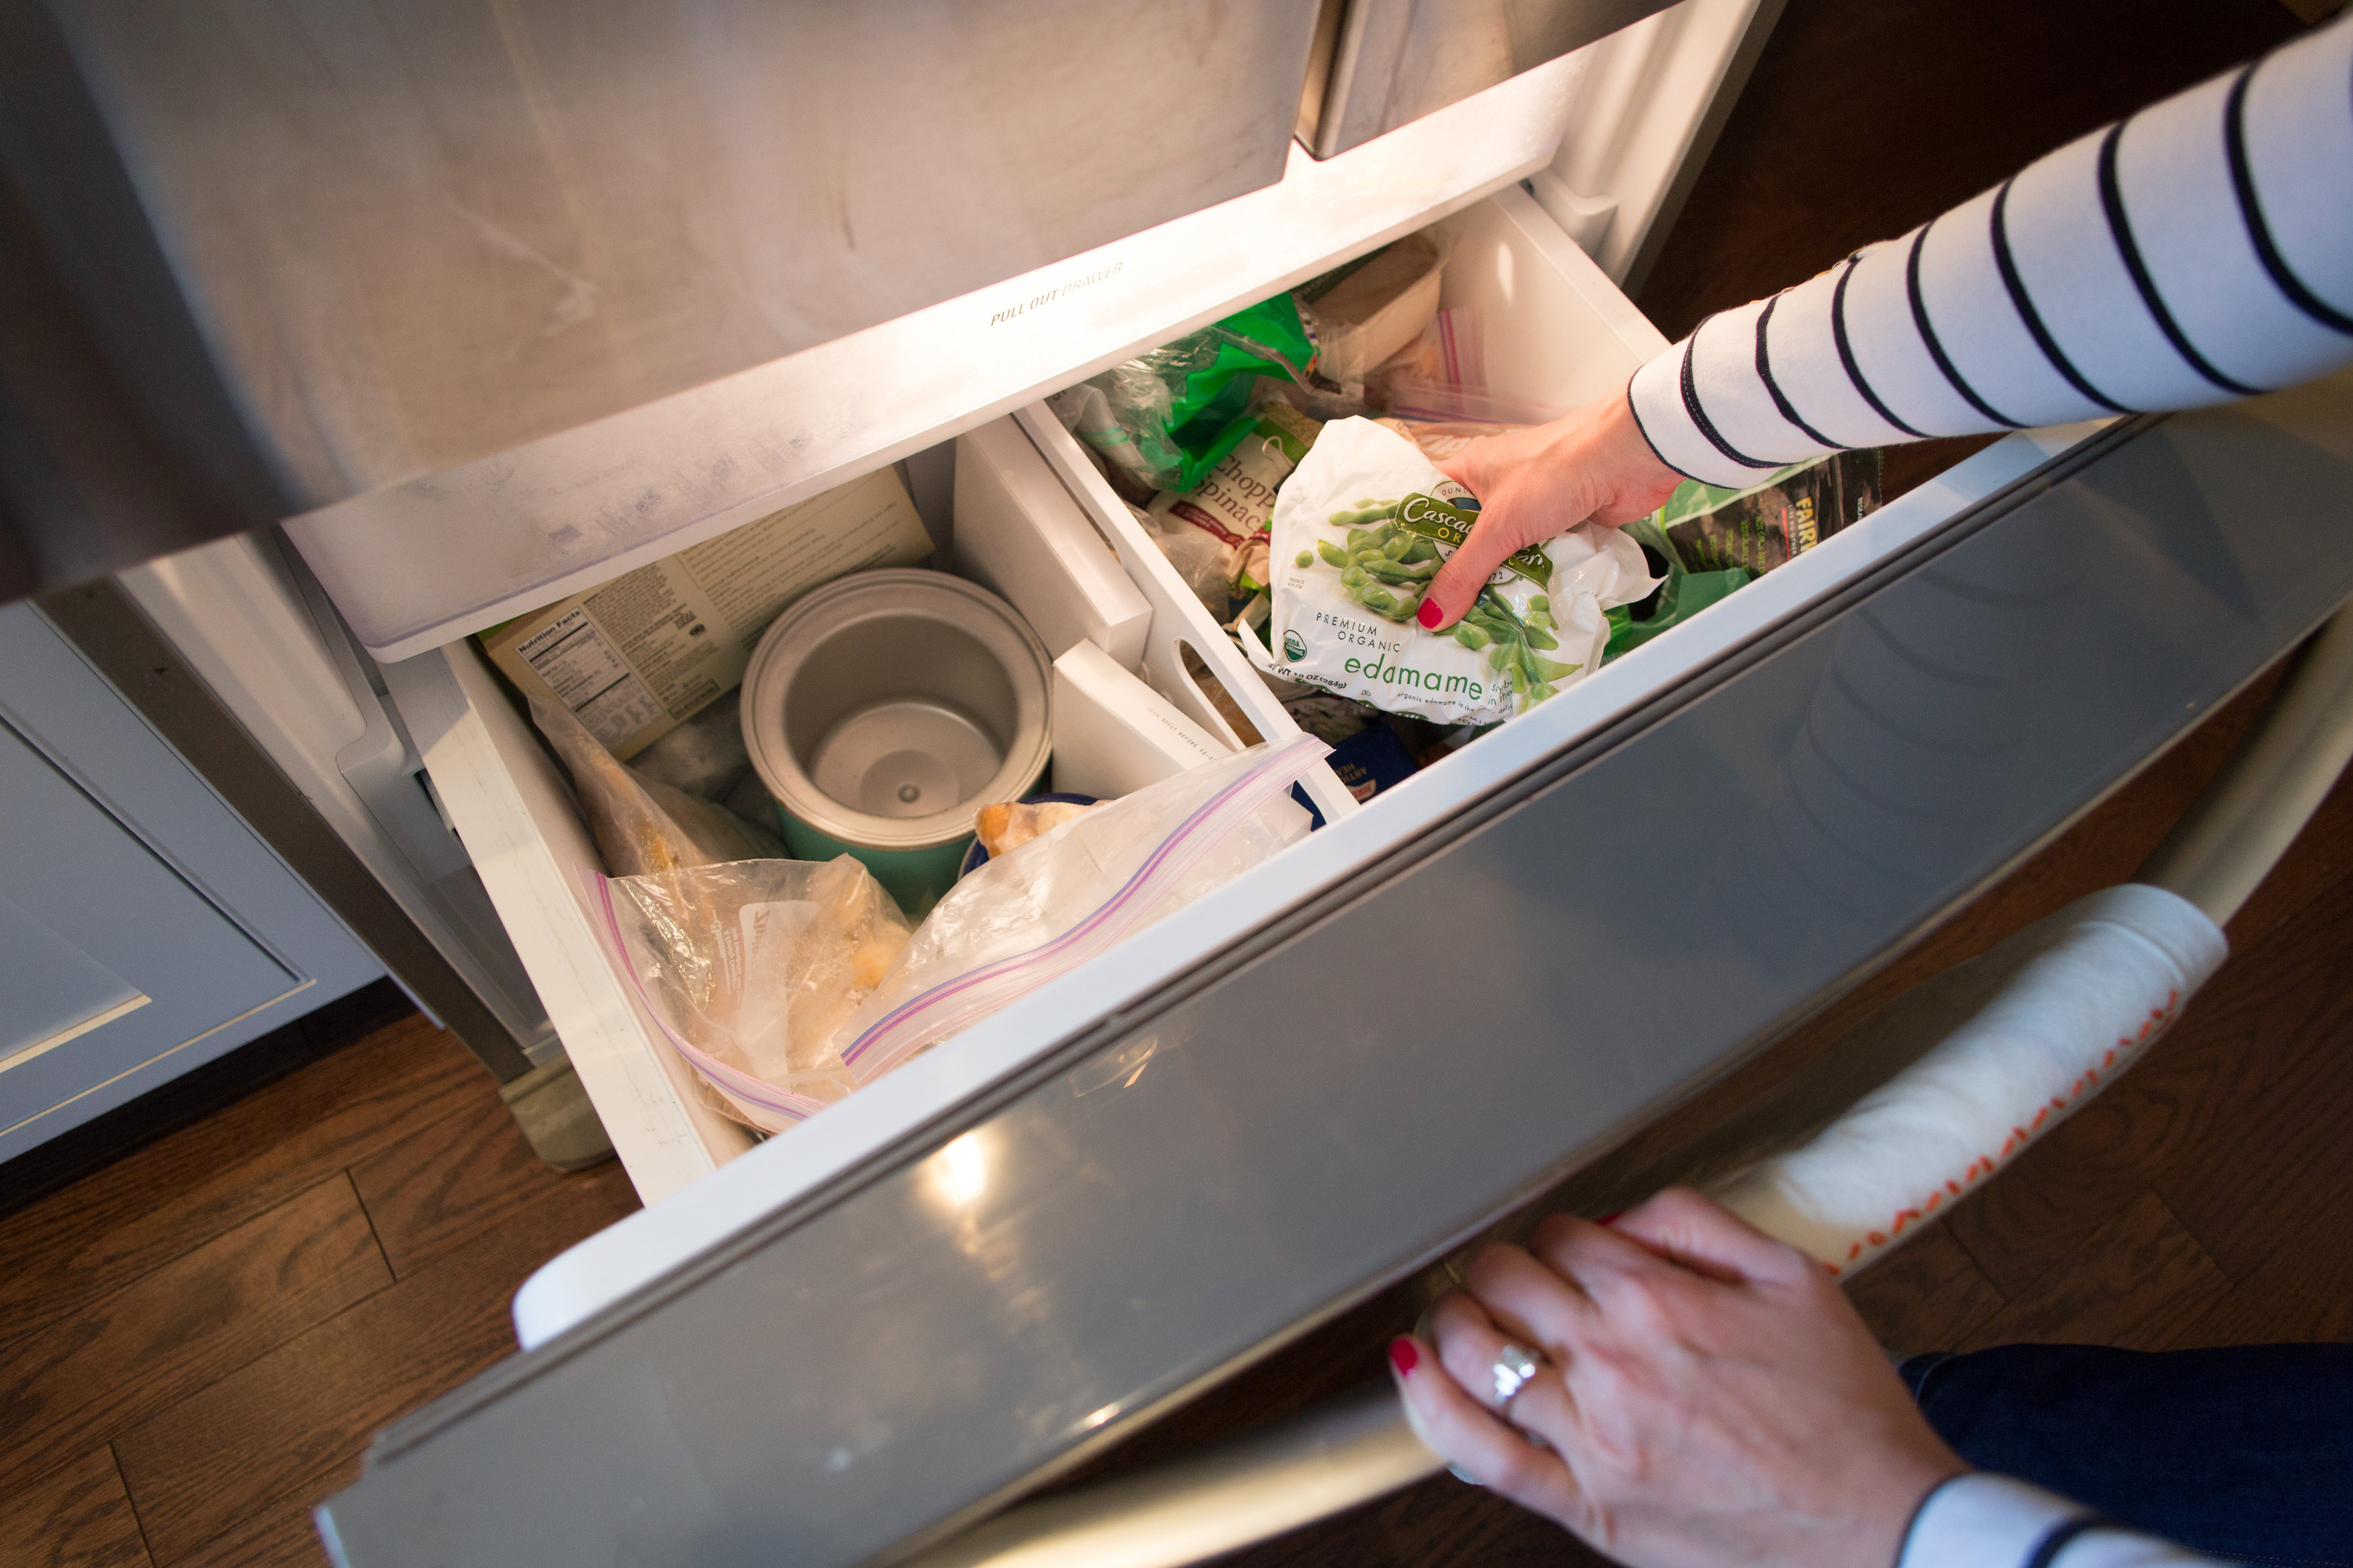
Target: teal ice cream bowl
[(883, 710)]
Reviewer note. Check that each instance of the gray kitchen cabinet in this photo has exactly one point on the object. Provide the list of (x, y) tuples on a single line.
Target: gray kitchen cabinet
[(145, 930)]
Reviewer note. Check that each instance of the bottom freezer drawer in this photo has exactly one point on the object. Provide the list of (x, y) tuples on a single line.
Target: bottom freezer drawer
[(1556, 332), (1323, 1073)]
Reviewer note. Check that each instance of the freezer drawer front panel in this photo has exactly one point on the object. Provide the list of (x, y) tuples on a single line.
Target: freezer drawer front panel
[(1349, 1087)]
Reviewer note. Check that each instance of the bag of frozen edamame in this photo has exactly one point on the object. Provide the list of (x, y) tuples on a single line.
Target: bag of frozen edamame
[(1359, 530)]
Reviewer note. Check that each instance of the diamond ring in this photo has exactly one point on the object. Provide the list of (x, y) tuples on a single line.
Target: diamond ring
[(1513, 1368)]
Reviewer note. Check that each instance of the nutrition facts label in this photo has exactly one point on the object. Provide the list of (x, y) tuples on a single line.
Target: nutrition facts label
[(652, 647), (589, 678)]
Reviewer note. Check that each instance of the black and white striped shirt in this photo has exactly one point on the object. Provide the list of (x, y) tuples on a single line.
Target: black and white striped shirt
[(2199, 251)]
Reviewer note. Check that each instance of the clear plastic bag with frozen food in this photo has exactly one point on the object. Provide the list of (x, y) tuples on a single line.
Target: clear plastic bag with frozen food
[(640, 824), (1058, 901), (749, 969)]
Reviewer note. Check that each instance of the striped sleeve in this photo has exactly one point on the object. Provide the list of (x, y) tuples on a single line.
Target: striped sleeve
[(1992, 1521), (2199, 251)]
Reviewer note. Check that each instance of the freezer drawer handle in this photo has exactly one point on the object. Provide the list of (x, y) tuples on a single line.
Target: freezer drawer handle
[(1356, 1446)]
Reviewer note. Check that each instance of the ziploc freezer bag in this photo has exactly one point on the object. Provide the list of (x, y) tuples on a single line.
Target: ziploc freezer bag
[(1046, 907), (748, 968), (1362, 527)]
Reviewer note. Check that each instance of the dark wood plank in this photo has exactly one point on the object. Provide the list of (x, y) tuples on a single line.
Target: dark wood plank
[(175, 1194), (255, 1439), (2261, 1181), (78, 1517), (2303, 1293), (278, 1536), (89, 1376), (1928, 1296), (2159, 1123), (470, 1172), (2321, 858), (1864, 119), (2138, 1281)]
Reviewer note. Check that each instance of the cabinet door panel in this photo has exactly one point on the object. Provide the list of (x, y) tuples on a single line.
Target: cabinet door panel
[(109, 959)]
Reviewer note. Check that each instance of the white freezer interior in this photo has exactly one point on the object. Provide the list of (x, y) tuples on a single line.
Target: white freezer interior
[(1557, 333)]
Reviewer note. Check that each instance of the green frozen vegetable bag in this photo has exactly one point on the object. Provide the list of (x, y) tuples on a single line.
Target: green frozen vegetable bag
[(1712, 540), (1188, 403), (1683, 596)]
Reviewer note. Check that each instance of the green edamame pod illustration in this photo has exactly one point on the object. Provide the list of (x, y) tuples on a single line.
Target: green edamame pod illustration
[(1333, 555)]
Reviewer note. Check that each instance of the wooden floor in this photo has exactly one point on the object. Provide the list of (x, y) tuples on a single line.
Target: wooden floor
[(201, 1338)]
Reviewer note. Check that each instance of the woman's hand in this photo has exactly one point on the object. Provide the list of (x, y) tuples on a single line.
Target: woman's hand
[(1709, 1396), (1592, 465)]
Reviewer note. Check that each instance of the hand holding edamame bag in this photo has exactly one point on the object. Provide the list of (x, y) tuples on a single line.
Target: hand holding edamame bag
[(1363, 529)]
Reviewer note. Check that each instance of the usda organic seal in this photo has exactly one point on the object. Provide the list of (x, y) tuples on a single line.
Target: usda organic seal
[(1295, 646)]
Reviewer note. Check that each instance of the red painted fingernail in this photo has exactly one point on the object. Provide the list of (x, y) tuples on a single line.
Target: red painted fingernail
[(1429, 614), (1403, 1356), (1610, 1218)]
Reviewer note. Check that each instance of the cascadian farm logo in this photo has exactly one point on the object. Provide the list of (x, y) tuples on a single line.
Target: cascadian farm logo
[(1295, 646), (1450, 524)]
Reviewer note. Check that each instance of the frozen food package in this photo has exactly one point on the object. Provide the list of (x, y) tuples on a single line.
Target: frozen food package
[(750, 967), (640, 824), (1056, 901), (1370, 761), (1085, 411), (1774, 520), (1368, 310), (1679, 596), (705, 756), (1233, 506), (1187, 404), (1359, 532)]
